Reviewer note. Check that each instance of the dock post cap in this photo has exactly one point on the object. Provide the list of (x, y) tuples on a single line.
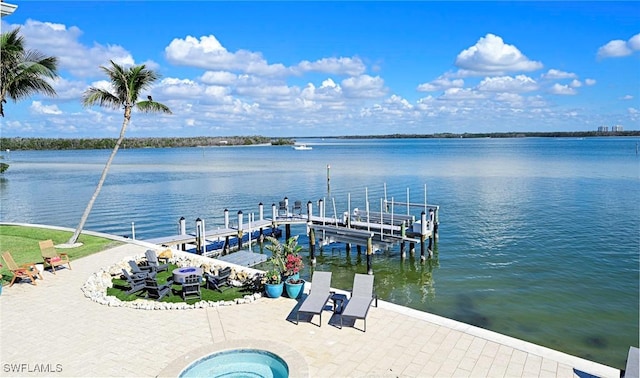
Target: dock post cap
[(239, 211), (182, 218), (198, 220)]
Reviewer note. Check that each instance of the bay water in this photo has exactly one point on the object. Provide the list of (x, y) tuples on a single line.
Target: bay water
[(539, 238)]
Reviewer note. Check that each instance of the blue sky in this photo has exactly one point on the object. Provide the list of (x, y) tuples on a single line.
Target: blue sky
[(338, 68)]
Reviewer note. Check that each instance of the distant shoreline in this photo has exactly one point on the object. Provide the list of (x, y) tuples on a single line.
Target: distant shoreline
[(511, 134), (18, 143)]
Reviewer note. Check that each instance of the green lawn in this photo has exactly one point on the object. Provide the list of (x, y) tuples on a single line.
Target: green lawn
[(227, 294), (22, 242)]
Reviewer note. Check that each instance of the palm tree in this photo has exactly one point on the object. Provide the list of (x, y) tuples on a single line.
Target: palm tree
[(127, 83), (23, 72)]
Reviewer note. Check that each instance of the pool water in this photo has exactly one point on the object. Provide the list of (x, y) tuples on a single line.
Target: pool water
[(238, 363)]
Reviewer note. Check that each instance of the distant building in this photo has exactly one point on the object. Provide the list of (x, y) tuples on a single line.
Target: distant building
[(6, 8), (603, 129), (616, 128)]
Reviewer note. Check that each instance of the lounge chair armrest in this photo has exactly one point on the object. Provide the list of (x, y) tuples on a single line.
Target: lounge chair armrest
[(63, 254)]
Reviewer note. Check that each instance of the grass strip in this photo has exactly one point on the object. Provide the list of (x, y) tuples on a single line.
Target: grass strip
[(22, 242)]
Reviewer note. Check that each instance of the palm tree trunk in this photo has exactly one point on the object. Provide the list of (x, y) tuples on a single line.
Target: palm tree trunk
[(85, 216)]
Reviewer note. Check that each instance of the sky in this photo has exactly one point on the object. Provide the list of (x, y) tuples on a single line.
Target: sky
[(296, 69)]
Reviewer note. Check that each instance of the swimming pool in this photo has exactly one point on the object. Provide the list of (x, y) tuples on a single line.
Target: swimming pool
[(238, 363)]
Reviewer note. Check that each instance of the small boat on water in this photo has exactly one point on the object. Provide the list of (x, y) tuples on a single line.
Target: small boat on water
[(302, 147)]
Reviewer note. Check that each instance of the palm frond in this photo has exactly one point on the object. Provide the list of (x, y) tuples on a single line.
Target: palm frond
[(101, 97), (24, 72), (127, 85), (152, 107)]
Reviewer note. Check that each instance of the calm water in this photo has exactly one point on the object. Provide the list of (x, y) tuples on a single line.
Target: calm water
[(539, 237)]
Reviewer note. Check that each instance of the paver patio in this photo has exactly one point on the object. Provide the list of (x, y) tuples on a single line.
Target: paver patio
[(52, 330)]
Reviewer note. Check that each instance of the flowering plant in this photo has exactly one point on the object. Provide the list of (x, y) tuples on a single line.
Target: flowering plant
[(285, 256), (272, 277), (293, 264)]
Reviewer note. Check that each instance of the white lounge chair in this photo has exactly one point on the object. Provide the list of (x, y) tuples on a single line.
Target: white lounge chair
[(361, 298), (318, 296)]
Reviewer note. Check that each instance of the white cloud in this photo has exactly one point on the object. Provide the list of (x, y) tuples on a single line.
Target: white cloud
[(461, 94), (590, 82), (634, 42), (575, 83), (512, 98), (618, 48), (328, 94), (614, 49), (398, 102), (174, 88), (68, 90), (38, 108), (208, 53), (440, 83), (218, 77), (554, 74), (560, 89), (335, 66), (363, 86), (520, 83), (626, 97), (62, 42), (490, 55)]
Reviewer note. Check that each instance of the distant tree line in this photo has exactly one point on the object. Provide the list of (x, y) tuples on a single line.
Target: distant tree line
[(18, 143), (549, 134)]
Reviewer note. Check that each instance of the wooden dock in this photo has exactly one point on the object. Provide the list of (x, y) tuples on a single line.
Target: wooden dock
[(244, 258), (375, 230)]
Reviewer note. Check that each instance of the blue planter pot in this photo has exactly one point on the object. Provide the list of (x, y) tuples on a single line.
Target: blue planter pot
[(273, 290), (295, 276), (294, 290)]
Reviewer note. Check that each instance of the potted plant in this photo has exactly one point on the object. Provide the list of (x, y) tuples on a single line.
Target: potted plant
[(272, 281), (286, 257)]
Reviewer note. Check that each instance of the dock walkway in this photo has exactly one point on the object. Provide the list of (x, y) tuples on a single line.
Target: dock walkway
[(368, 228)]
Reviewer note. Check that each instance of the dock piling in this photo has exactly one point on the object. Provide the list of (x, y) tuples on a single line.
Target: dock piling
[(274, 215), (240, 233), (312, 246), (369, 255), (199, 236), (182, 230)]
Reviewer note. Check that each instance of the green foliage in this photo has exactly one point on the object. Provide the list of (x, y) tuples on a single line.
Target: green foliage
[(3, 167), (22, 242), (108, 143), (281, 254), (282, 142), (23, 72), (273, 276)]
